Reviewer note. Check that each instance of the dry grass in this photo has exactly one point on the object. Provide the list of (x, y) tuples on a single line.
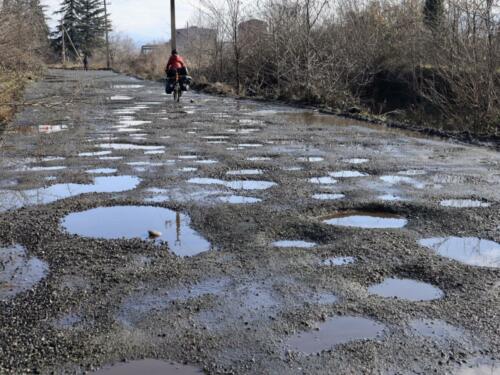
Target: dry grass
[(11, 88)]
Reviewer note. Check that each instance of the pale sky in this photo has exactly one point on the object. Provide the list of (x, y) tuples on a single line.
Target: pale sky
[(143, 20)]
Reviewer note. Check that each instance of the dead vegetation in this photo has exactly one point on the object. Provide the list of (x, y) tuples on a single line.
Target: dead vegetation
[(23, 48)]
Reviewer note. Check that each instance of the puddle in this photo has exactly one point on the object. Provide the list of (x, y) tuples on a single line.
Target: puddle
[(111, 158), (292, 169), (10, 199), (468, 250), (294, 243), (393, 180), (53, 158), (159, 152), (129, 146), (216, 137), (259, 158), (311, 159), (328, 196), (49, 129), (126, 122), (149, 367), (102, 171), (464, 203), (413, 172), (406, 289), (188, 169), (207, 161), (338, 261), (356, 161), (97, 153), (188, 157), (238, 199), (479, 366), (121, 97), (376, 220), (127, 86), (326, 180), (41, 169), (335, 331), (135, 222), (236, 185), (348, 174), (250, 145), (244, 172), (436, 329), (18, 272)]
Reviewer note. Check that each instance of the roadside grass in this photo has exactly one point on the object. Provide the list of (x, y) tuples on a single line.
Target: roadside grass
[(11, 90)]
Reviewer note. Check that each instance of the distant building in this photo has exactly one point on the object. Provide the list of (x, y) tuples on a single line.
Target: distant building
[(252, 30)]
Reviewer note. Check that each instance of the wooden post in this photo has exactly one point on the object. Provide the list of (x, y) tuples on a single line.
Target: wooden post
[(173, 38)]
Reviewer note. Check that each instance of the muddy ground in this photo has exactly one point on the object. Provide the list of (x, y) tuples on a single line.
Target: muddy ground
[(71, 303)]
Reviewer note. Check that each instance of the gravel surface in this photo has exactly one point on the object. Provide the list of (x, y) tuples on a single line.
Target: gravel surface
[(245, 305)]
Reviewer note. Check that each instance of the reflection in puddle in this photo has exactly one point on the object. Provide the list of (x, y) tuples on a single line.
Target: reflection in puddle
[(374, 220), (389, 197), (97, 153), (244, 172), (121, 97), (188, 157), (338, 261), (436, 329), (206, 161), (238, 199), (249, 145), (347, 174), (469, 250), (407, 289), (149, 367), (294, 243), (135, 222), (159, 152), (328, 196), (49, 129), (325, 180), (41, 169), (19, 272), (335, 331), (413, 172), (464, 203), (403, 180), (10, 199), (188, 169), (259, 158)]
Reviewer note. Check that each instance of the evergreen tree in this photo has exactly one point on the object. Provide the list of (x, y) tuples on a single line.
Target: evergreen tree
[(433, 14), (91, 25), (69, 12)]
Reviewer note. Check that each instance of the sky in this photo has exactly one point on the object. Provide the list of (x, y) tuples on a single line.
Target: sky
[(143, 20)]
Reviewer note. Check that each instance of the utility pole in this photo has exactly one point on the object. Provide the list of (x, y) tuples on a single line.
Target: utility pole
[(173, 38), (108, 59), (63, 43)]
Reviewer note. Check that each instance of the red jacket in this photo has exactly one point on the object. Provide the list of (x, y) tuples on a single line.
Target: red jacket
[(175, 62)]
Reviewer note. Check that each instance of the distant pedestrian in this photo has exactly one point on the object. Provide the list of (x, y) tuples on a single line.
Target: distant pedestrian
[(85, 63)]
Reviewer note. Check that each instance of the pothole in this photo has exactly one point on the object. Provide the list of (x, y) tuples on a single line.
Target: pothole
[(413, 172), (328, 196), (238, 199), (348, 174), (359, 219), (236, 185), (150, 367), (325, 180), (463, 203), (97, 153), (294, 243), (335, 331), (137, 222), (50, 129), (120, 98), (436, 329), (259, 158), (338, 261), (390, 198), (245, 172), (18, 272), (130, 146), (406, 289), (468, 250), (206, 161), (311, 159), (393, 180), (101, 171), (356, 161)]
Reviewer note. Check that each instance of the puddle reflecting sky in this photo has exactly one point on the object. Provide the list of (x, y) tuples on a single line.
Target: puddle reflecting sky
[(366, 220), (294, 243), (407, 289), (338, 261), (469, 250), (135, 222), (464, 203)]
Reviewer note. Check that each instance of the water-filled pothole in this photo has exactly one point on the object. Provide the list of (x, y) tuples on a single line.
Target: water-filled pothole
[(464, 203), (393, 180), (338, 261), (294, 243), (102, 171), (311, 159), (325, 180), (150, 367), (359, 219), (348, 174), (18, 272), (236, 185), (436, 329), (238, 199), (390, 197), (130, 146), (245, 172), (259, 158), (328, 196), (356, 161), (335, 331), (469, 250), (135, 222), (407, 289)]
